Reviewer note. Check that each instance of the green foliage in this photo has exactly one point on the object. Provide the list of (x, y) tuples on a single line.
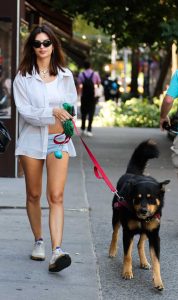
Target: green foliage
[(170, 31), (133, 22), (81, 26), (100, 51), (132, 113), (174, 108), (24, 31)]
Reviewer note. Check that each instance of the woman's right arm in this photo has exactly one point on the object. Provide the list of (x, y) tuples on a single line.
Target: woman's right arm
[(165, 109), (36, 116), (168, 100)]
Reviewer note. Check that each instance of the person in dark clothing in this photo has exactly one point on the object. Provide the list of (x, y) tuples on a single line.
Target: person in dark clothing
[(106, 86), (111, 89), (87, 81)]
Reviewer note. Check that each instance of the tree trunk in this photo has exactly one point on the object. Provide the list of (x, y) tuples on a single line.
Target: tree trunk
[(163, 73), (134, 72)]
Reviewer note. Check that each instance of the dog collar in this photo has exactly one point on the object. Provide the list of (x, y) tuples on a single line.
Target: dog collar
[(156, 216), (120, 203)]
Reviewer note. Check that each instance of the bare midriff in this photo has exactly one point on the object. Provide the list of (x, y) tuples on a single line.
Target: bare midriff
[(56, 128)]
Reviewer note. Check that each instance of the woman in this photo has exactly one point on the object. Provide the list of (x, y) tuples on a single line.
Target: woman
[(41, 87)]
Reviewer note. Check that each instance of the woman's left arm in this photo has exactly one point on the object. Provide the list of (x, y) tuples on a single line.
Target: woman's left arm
[(71, 93)]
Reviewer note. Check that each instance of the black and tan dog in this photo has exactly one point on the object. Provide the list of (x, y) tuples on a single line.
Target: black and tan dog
[(139, 212)]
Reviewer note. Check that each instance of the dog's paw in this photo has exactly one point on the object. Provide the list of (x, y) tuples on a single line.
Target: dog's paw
[(127, 275), (145, 266), (158, 285), (112, 254), (113, 251)]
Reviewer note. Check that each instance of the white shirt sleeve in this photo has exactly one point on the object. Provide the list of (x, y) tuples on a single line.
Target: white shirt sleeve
[(71, 93), (36, 116)]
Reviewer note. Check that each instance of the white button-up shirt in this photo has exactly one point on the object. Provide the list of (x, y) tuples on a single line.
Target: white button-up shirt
[(31, 100)]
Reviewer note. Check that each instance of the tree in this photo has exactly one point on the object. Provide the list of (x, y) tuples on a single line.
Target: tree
[(100, 43), (133, 22)]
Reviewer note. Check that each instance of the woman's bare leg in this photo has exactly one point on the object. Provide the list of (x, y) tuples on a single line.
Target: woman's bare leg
[(56, 179), (33, 169)]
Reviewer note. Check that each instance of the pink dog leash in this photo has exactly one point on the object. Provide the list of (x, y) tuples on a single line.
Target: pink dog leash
[(98, 171)]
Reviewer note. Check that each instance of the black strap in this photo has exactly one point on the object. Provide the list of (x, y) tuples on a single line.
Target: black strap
[(85, 77)]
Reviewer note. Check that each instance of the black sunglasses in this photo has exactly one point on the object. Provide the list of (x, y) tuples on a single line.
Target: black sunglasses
[(45, 43)]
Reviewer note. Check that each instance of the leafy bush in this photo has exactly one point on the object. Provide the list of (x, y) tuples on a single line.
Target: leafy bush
[(132, 113)]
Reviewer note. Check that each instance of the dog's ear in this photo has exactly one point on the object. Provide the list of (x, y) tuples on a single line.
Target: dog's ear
[(163, 184)]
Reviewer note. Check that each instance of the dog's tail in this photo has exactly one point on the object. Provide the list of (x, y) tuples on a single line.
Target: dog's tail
[(145, 151)]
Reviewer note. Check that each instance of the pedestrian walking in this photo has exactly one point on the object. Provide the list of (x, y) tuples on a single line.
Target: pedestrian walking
[(107, 86), (111, 88), (87, 81), (41, 86), (166, 106)]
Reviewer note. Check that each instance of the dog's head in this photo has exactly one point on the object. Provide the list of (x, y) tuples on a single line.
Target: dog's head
[(147, 196)]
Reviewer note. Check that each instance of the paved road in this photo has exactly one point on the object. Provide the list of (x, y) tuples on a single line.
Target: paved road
[(87, 234)]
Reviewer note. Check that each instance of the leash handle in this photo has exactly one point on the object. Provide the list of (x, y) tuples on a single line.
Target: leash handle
[(98, 171), (169, 128), (66, 140)]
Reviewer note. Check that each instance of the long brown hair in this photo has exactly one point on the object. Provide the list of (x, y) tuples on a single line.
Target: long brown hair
[(29, 56)]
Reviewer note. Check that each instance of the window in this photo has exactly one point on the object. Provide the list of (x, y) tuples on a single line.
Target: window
[(5, 68)]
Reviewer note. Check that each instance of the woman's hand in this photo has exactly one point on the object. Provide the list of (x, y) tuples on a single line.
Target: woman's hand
[(165, 109), (61, 114), (162, 120)]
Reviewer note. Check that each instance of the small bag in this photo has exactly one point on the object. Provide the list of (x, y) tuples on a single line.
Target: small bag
[(68, 125), (4, 138)]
